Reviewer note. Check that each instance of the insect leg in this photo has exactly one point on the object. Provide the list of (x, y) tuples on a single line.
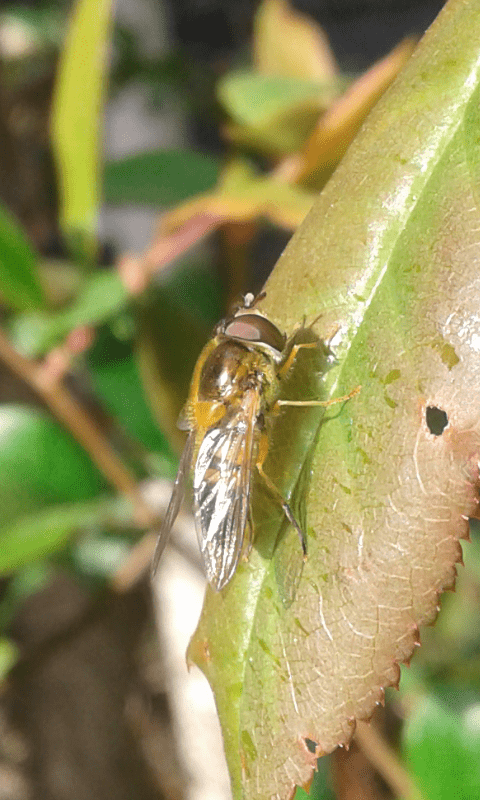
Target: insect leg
[(248, 540), (285, 507), (324, 403), (292, 356)]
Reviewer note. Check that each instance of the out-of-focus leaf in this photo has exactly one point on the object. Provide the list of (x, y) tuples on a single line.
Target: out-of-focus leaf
[(441, 743), (169, 341), (253, 99), (451, 648), (321, 787), (174, 322), (273, 112), (243, 196), (196, 286), (160, 177), (286, 42), (20, 287), (116, 380), (62, 281), (40, 464), (8, 656), (35, 536), (101, 297), (339, 125), (386, 264), (76, 119)]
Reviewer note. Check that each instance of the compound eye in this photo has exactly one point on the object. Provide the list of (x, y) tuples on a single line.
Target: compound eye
[(254, 328)]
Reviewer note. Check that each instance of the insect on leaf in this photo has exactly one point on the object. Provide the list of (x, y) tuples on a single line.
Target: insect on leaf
[(389, 257)]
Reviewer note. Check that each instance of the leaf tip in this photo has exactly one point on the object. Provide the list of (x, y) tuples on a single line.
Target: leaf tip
[(199, 653)]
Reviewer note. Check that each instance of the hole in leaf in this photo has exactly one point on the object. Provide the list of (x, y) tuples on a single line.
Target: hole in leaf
[(437, 420), (312, 746)]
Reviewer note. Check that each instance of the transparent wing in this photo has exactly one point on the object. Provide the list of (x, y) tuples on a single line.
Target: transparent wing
[(175, 501), (221, 491)]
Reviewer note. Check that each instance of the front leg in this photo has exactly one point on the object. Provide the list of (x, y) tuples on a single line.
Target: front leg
[(284, 369), (309, 403)]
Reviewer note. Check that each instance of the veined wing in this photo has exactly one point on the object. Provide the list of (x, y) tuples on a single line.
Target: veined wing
[(221, 490), (175, 500)]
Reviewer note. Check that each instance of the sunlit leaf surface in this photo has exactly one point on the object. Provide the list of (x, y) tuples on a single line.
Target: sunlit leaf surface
[(389, 258), (76, 118), (288, 43)]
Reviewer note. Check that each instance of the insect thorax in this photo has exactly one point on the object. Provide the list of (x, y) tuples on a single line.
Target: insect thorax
[(231, 369)]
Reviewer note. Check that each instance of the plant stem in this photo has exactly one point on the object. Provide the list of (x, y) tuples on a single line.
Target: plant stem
[(386, 762)]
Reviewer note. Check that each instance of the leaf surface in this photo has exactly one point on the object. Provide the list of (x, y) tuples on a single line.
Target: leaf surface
[(243, 196), (288, 43), (273, 112), (389, 258), (102, 295), (159, 177), (35, 536), (76, 118), (20, 287), (40, 464)]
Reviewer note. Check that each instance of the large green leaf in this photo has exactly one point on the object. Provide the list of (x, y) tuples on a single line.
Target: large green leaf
[(441, 743), (389, 259), (19, 283), (160, 177), (76, 118)]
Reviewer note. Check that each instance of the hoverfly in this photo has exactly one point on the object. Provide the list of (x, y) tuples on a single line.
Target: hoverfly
[(235, 388)]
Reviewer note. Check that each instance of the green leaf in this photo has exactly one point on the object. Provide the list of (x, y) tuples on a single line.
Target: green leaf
[(168, 343), (321, 787), (40, 464), (160, 177), (252, 98), (101, 297), (272, 112), (76, 119), (19, 284), (8, 656), (386, 269), (38, 535), (116, 380), (196, 286), (441, 743)]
